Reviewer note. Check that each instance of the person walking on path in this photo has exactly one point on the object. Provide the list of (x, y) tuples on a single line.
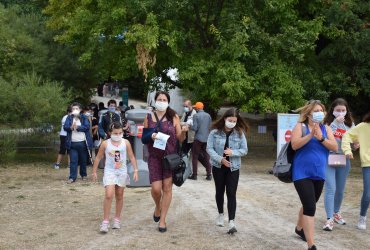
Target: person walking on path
[(201, 124), (78, 142), (340, 120), (108, 118), (159, 177), (187, 120), (361, 135), (62, 138), (226, 145), (116, 149), (312, 141)]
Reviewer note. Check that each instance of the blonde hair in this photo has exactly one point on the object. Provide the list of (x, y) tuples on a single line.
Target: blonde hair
[(306, 110)]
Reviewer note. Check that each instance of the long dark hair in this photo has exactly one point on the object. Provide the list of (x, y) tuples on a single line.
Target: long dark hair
[(241, 126), (329, 118), (366, 118), (170, 113)]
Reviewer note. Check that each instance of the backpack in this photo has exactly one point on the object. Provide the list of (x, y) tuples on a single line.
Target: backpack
[(282, 168)]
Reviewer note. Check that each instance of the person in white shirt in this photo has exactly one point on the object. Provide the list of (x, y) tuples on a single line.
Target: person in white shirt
[(62, 137)]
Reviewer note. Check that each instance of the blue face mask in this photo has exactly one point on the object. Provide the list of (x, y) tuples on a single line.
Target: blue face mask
[(112, 109), (186, 109), (318, 116)]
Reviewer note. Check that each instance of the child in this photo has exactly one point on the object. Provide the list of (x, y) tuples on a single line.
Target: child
[(115, 172)]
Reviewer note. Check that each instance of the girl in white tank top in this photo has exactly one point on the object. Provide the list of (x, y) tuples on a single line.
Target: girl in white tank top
[(116, 150)]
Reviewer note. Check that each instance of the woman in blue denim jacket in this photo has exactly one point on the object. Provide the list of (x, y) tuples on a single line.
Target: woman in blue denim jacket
[(226, 145)]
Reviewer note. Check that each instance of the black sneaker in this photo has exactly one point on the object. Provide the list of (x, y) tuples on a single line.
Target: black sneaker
[(193, 177), (209, 177), (300, 233), (313, 247)]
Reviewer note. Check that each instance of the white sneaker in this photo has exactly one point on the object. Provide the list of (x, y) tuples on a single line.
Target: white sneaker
[(339, 219), (329, 225), (116, 224), (220, 220), (362, 223), (232, 228), (104, 227)]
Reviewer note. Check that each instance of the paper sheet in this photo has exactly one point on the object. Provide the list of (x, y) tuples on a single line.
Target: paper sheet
[(161, 141)]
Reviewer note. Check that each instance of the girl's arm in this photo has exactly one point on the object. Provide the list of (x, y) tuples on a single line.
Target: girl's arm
[(210, 149), (98, 157), (68, 124), (351, 136), (132, 158), (242, 150), (85, 125), (180, 134)]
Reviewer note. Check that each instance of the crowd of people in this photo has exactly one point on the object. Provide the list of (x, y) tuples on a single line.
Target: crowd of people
[(219, 146)]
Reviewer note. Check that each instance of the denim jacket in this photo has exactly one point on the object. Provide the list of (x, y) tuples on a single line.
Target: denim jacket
[(85, 127), (216, 143)]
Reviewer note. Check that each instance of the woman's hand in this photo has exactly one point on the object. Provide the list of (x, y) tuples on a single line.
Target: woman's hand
[(356, 145), (136, 175), (225, 162), (340, 119), (317, 131), (228, 152), (94, 176), (349, 155), (154, 136)]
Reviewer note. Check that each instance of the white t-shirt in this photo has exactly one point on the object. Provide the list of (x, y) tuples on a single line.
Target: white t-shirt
[(62, 131), (76, 135)]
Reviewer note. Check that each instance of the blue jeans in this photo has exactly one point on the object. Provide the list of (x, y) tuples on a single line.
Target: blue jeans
[(78, 155), (335, 182), (365, 200)]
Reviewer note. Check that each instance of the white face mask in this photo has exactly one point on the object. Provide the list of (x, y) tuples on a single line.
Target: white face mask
[(75, 112), (161, 106), (116, 138), (230, 124), (337, 114)]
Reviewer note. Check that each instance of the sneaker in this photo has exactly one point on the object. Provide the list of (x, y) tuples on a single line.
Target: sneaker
[(362, 223), (328, 225), (220, 220), (300, 233), (232, 228), (116, 224), (70, 181), (104, 227), (56, 165), (313, 247), (84, 178), (209, 177), (339, 219)]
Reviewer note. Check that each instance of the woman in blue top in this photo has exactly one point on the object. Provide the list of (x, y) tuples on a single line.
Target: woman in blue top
[(226, 145), (312, 141)]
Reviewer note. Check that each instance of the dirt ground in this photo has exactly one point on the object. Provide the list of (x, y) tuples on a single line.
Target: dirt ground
[(38, 210)]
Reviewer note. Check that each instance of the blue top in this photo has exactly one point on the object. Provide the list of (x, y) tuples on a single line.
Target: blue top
[(216, 143), (310, 160), (201, 125)]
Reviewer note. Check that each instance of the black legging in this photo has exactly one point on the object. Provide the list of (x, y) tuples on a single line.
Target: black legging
[(309, 192), (225, 178)]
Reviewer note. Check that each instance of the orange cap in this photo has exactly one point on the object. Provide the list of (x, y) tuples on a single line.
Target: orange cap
[(199, 105)]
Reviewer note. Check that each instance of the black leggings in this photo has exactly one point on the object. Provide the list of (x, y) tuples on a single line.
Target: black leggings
[(309, 192), (225, 178)]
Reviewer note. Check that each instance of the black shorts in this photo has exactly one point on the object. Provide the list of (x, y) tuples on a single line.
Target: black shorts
[(62, 148)]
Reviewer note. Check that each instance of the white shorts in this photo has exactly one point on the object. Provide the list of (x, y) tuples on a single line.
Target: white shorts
[(116, 178)]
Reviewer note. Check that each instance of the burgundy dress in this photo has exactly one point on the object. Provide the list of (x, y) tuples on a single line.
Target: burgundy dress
[(156, 171)]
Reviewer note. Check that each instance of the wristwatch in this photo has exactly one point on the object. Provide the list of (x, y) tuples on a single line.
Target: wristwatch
[(322, 139)]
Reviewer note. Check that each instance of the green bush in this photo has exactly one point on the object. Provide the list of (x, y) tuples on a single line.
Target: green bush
[(7, 148)]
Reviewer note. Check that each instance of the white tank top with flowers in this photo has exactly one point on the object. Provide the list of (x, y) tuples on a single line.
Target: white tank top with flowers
[(115, 157)]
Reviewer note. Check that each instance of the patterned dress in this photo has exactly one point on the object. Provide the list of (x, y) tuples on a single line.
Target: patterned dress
[(156, 171)]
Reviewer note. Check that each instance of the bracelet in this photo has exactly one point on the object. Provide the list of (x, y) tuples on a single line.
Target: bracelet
[(322, 139)]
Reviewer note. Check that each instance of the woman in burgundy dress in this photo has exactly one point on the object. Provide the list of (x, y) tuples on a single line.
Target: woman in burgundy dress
[(161, 178)]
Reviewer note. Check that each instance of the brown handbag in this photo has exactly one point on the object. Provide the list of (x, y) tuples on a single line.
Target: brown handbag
[(337, 160)]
